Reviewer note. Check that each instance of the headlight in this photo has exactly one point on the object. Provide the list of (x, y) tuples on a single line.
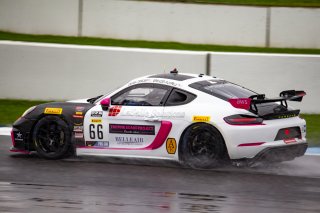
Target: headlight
[(28, 111)]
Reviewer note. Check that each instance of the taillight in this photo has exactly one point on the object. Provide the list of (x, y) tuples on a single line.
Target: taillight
[(243, 120)]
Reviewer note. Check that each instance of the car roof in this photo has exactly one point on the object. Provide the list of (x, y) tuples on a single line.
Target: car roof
[(173, 79)]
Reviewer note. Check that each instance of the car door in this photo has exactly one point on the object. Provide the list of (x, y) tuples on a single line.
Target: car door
[(133, 120), (134, 117)]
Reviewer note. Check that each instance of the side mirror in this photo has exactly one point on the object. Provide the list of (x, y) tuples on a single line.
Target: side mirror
[(105, 104)]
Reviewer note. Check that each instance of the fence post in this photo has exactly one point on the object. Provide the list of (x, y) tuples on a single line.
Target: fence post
[(208, 63), (268, 23), (80, 14)]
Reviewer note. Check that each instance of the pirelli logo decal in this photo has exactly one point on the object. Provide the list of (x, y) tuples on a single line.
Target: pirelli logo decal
[(95, 120), (53, 111), (198, 118)]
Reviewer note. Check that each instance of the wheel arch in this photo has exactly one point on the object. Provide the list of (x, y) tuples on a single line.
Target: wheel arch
[(68, 146), (180, 154), (31, 139)]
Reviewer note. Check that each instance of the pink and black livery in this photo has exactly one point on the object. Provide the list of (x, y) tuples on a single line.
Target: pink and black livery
[(25, 129)]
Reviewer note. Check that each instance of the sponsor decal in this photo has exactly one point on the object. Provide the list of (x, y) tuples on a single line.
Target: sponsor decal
[(136, 112), (79, 113), (18, 136), (77, 116), (159, 81), (129, 140), (78, 124), (171, 146), (102, 144), (291, 140), (96, 120), (79, 108), (240, 103), (96, 114), (54, 111), (132, 129), (78, 128), (287, 116), (114, 111), (139, 81), (166, 82), (78, 135), (200, 118)]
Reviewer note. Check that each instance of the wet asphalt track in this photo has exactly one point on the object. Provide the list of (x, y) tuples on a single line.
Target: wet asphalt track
[(31, 184)]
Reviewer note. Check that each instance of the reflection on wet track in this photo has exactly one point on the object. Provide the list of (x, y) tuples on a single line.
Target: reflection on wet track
[(31, 184), (59, 198)]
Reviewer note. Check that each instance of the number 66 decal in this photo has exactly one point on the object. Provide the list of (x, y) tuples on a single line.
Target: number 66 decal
[(93, 130)]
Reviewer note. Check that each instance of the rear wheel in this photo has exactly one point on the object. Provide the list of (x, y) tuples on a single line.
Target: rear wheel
[(52, 137), (202, 146)]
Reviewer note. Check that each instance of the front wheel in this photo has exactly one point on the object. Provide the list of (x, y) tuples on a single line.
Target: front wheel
[(202, 146), (52, 137)]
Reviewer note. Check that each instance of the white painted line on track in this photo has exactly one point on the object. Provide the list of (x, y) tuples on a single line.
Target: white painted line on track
[(312, 154), (314, 151), (5, 131)]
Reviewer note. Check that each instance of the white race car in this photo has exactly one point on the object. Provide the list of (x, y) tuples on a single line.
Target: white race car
[(198, 120)]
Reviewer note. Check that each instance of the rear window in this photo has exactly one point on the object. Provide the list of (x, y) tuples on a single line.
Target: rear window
[(223, 89)]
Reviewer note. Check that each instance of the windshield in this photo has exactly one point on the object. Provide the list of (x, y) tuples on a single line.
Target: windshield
[(223, 89), (99, 98)]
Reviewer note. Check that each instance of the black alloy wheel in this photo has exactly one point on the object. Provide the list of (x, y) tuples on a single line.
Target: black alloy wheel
[(202, 146), (52, 137)]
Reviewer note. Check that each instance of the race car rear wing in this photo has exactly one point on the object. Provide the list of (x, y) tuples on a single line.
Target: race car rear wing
[(251, 102)]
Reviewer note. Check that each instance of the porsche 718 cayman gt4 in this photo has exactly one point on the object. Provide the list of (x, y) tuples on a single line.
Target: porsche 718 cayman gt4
[(197, 120)]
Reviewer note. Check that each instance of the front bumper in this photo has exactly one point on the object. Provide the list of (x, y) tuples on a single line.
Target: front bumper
[(14, 149), (20, 135)]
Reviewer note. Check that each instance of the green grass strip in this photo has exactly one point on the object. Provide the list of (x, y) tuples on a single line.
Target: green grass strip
[(147, 44), (11, 110), (313, 128), (267, 3)]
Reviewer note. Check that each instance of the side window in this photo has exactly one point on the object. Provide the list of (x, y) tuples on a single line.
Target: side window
[(179, 97), (141, 96)]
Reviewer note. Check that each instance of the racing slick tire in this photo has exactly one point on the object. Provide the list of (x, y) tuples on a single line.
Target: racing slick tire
[(52, 138), (202, 146)]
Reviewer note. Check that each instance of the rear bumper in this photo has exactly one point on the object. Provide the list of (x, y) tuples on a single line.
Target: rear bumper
[(275, 154), (249, 141), (282, 153)]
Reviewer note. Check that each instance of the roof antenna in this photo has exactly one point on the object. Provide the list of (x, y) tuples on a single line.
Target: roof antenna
[(175, 71)]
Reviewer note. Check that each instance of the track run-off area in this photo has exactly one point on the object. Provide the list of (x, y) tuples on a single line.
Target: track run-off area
[(31, 184)]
